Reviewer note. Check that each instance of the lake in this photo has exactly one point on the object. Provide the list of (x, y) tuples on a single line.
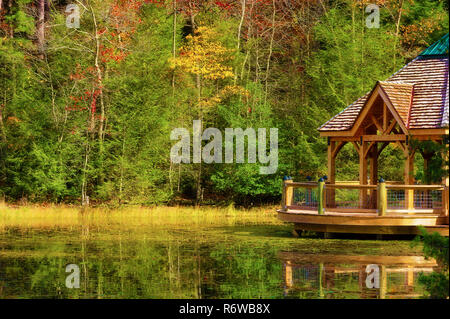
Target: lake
[(177, 252)]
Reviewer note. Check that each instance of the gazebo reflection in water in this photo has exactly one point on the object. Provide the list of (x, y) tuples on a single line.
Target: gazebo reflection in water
[(355, 277)]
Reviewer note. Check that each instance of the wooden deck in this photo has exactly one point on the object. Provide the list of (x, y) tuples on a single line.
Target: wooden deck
[(365, 223), (390, 209)]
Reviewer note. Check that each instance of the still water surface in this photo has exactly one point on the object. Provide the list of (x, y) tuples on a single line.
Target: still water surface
[(214, 260)]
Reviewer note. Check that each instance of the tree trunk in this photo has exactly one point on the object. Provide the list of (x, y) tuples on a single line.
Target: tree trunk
[(397, 31), (199, 97), (270, 52), (11, 29), (40, 30), (174, 42), (99, 86), (174, 53), (2, 127), (99, 83), (239, 35)]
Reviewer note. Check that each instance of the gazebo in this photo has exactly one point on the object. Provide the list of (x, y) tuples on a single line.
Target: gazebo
[(410, 105)]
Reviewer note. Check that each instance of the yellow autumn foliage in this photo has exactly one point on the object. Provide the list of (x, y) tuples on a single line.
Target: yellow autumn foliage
[(227, 91), (203, 55)]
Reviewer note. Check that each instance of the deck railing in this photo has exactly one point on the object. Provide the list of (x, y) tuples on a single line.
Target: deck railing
[(383, 198), (417, 198)]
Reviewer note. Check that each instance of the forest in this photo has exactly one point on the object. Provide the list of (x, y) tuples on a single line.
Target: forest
[(87, 110)]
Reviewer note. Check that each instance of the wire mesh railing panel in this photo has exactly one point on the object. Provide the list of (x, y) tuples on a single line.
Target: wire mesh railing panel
[(365, 198), (396, 198), (347, 198), (427, 199), (305, 197)]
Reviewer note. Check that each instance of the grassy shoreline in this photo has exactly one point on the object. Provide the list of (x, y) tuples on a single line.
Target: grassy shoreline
[(38, 216)]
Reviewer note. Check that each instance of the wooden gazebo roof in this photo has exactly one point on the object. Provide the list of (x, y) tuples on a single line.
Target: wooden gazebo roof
[(417, 96)]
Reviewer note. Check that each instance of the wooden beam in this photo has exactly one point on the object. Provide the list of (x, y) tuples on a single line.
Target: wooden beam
[(356, 146), (374, 120), (431, 131), (343, 133), (369, 148), (373, 174), (337, 148), (351, 186), (382, 147), (401, 146), (362, 174), (395, 131), (413, 132), (389, 129), (363, 219), (384, 138), (344, 138), (436, 138), (417, 187), (385, 117), (332, 152)]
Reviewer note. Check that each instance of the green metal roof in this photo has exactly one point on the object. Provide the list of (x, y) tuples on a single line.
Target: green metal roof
[(438, 48)]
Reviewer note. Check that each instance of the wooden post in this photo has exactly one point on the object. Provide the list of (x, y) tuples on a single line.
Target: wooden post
[(321, 273), (288, 274), (320, 195), (410, 276), (331, 202), (409, 178), (445, 202), (288, 193), (382, 198), (383, 282), (362, 175), (373, 174)]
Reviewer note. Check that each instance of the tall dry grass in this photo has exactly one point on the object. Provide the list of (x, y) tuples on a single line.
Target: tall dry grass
[(61, 216)]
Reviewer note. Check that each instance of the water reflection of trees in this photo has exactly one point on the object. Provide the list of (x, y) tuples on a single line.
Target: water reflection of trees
[(123, 266), (142, 269)]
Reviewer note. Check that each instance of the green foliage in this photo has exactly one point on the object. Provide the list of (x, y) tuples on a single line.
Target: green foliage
[(435, 246), (438, 163), (350, 58), (51, 147)]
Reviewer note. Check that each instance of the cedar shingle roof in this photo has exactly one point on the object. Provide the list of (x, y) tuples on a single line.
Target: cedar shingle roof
[(400, 95), (424, 80)]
